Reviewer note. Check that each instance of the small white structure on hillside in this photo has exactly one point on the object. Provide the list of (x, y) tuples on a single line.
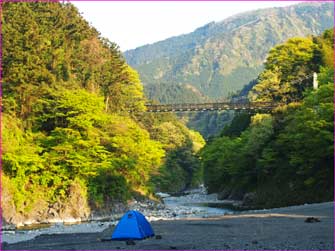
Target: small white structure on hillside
[(315, 81)]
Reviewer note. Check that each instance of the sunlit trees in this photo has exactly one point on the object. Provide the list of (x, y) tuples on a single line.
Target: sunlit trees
[(67, 132), (285, 64), (287, 157)]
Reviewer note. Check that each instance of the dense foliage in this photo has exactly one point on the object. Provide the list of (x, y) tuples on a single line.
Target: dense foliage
[(285, 157), (220, 58), (181, 168), (66, 133), (208, 123)]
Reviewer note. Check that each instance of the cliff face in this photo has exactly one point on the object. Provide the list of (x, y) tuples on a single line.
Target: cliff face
[(74, 208), (220, 58)]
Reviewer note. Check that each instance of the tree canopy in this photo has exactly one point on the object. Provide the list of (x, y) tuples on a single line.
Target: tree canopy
[(66, 128), (287, 157)]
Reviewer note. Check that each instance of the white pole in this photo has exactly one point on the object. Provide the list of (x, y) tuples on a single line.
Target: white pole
[(315, 81)]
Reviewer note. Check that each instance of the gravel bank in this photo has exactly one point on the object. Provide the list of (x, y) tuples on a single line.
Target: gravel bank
[(283, 228)]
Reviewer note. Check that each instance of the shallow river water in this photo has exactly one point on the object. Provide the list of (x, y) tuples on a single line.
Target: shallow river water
[(195, 204)]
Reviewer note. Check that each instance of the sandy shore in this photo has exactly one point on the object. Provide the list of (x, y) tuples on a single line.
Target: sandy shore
[(283, 228)]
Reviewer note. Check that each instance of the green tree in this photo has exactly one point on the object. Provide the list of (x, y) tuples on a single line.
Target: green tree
[(287, 157), (65, 131), (286, 67)]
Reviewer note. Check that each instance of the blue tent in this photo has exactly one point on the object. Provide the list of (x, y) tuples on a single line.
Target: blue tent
[(132, 226)]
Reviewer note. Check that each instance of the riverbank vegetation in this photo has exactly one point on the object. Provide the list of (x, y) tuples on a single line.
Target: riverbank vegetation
[(69, 143), (286, 157)]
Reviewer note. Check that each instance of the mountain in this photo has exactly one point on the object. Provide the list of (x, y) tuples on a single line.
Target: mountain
[(219, 58)]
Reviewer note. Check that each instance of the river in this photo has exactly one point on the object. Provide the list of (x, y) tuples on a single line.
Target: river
[(193, 204)]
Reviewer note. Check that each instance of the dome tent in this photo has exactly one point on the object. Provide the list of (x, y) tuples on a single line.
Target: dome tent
[(132, 226)]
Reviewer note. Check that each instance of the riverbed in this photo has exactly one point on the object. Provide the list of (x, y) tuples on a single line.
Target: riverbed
[(193, 204), (194, 220), (275, 229)]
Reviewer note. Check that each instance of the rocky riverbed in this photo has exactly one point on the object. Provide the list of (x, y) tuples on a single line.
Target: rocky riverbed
[(191, 205), (283, 228)]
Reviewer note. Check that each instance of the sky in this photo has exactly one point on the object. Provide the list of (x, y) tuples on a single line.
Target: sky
[(132, 24)]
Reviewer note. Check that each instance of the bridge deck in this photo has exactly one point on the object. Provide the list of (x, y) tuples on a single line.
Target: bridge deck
[(253, 106)]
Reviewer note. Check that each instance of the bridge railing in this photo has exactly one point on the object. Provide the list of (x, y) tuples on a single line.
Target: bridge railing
[(264, 106)]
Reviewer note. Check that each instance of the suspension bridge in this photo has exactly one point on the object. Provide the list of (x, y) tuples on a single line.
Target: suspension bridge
[(215, 106), (240, 104)]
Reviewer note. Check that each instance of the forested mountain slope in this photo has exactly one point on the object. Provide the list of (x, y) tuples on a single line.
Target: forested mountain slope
[(287, 157), (220, 58), (69, 146)]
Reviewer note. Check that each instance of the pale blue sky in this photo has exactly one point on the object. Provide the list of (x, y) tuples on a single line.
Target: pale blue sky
[(132, 24)]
